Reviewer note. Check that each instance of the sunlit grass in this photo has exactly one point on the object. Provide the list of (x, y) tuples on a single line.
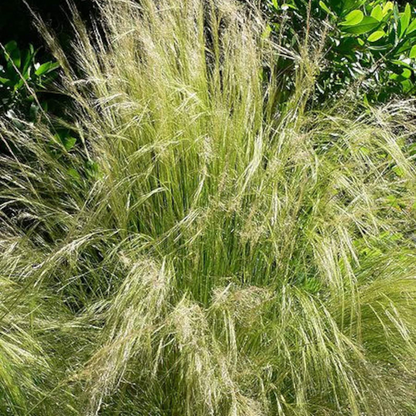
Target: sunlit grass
[(226, 256)]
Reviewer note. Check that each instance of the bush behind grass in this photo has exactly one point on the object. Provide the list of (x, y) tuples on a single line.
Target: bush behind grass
[(221, 258)]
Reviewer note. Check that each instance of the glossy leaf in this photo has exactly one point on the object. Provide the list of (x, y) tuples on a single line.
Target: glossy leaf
[(375, 36), (405, 20), (366, 25), (46, 68), (412, 27), (387, 7), (377, 13), (324, 7), (353, 18), (402, 63)]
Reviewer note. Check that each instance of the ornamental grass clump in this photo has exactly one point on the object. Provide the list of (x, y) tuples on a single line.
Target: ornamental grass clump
[(203, 249)]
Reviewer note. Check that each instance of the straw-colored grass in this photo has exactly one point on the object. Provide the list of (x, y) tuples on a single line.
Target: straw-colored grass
[(231, 256)]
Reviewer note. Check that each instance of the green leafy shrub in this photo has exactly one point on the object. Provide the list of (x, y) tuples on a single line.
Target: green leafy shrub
[(227, 256), (369, 46), (26, 87), (22, 77)]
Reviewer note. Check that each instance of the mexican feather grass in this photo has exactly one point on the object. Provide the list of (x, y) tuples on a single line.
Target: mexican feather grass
[(226, 255)]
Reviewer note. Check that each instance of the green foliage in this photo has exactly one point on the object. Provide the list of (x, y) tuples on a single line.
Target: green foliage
[(218, 254), (25, 90), (22, 77), (369, 45)]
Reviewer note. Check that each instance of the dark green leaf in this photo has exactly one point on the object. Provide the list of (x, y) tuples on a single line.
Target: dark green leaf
[(46, 68), (13, 53), (11, 46), (27, 61)]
